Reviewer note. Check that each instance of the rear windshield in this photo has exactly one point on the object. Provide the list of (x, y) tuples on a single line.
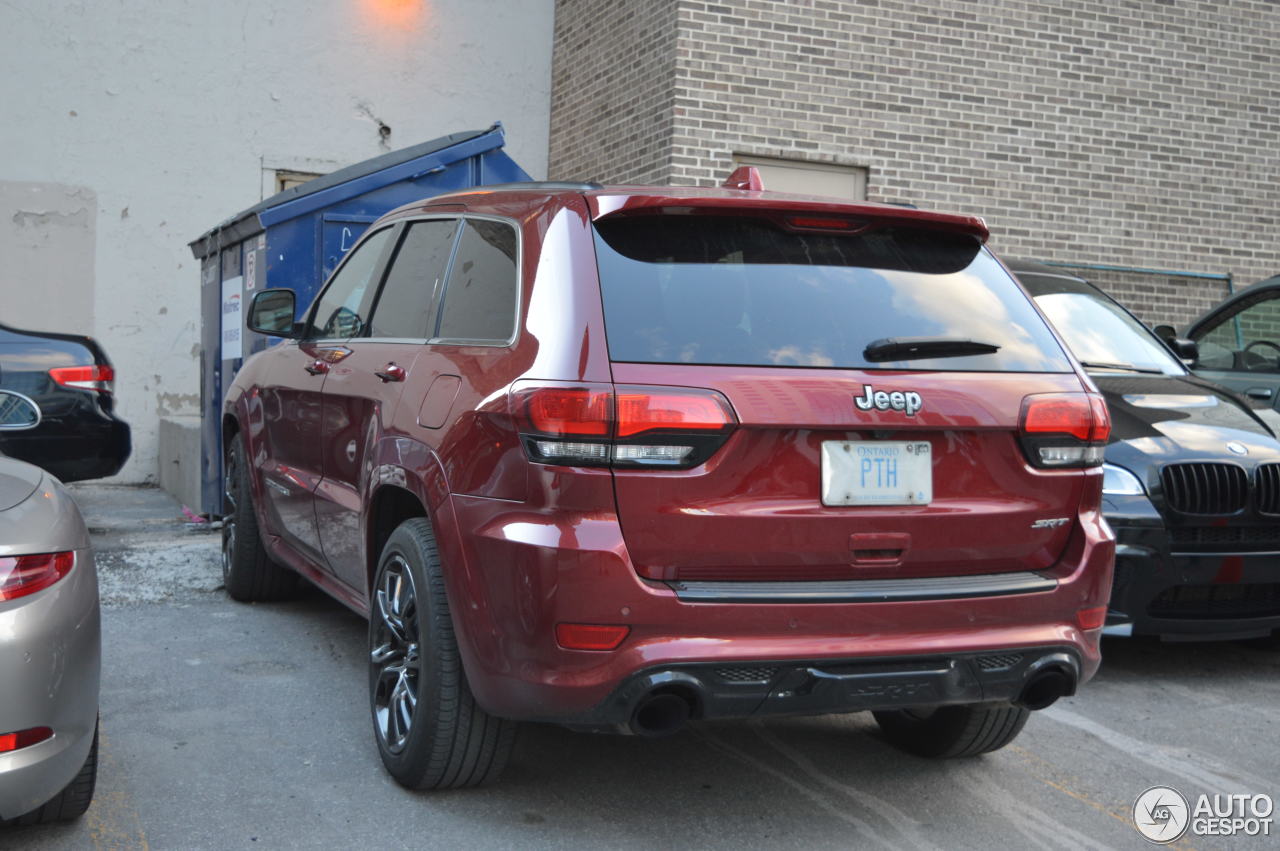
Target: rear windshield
[(739, 290)]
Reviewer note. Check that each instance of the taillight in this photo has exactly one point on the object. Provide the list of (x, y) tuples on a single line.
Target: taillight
[(23, 575), (1064, 429), (24, 738), (100, 378), (626, 426)]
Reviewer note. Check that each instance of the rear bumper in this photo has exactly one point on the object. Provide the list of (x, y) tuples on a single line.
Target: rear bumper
[(49, 667), (513, 574), (826, 686), (75, 450)]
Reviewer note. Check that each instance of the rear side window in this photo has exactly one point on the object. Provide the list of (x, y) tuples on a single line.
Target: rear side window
[(404, 307), (742, 290), (480, 297)]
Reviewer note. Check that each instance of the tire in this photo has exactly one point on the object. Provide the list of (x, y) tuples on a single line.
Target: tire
[(953, 731), (430, 732), (248, 573), (72, 801)]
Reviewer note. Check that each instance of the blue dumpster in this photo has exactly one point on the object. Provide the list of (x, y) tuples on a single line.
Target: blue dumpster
[(295, 239)]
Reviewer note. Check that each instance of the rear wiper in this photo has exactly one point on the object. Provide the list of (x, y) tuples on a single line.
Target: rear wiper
[(1126, 367), (913, 348)]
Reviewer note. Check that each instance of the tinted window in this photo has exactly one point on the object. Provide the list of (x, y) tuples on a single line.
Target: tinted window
[(480, 298), (343, 308), (1098, 331), (741, 290), (404, 306)]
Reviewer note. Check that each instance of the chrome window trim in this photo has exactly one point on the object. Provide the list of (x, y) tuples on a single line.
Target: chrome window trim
[(519, 295), (434, 341)]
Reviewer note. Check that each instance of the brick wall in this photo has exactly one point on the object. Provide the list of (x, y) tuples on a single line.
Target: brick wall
[(1135, 134), (612, 90)]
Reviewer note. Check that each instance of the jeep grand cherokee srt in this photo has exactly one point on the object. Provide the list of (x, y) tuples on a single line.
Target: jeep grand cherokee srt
[(619, 457)]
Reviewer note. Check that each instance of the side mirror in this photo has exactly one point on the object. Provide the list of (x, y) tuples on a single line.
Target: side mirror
[(1165, 332), (17, 412), (1187, 350), (271, 313)]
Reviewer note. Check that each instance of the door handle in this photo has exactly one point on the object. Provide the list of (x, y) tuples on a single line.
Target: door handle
[(391, 372), (317, 367), (1262, 393)]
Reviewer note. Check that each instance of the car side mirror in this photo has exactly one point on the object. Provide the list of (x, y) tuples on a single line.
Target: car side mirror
[(1165, 332), (1187, 350), (271, 312), (17, 412)]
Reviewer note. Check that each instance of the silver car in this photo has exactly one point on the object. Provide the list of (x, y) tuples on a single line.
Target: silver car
[(50, 649)]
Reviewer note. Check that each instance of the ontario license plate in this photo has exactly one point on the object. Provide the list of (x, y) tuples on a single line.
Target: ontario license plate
[(875, 472)]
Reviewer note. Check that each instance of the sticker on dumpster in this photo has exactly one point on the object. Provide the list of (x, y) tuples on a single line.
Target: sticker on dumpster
[(232, 295)]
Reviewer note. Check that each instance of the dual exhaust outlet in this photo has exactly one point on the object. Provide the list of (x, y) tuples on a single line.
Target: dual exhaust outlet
[(664, 710)]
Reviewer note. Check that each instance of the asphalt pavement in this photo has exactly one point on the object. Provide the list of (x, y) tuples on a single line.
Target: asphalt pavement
[(246, 726)]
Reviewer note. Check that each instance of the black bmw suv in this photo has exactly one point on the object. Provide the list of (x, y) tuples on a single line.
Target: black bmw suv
[(71, 381), (1192, 476)]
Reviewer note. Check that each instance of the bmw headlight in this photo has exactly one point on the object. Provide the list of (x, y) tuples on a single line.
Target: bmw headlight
[(1119, 481)]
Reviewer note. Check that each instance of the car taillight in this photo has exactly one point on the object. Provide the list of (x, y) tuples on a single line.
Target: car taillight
[(23, 575), (623, 426), (1064, 429), (100, 378), (24, 738)]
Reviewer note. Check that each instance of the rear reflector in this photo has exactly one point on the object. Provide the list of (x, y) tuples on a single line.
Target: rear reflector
[(24, 575), (590, 636), (1092, 618), (24, 738), (99, 378)]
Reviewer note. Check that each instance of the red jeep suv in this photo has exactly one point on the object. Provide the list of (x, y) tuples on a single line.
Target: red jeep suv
[(621, 457)]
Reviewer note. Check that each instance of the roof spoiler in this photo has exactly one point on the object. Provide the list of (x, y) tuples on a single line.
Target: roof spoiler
[(745, 177)]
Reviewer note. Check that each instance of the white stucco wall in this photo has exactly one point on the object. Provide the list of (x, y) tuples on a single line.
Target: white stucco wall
[(161, 116)]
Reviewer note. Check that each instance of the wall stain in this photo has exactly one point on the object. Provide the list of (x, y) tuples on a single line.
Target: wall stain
[(45, 218), (177, 403)]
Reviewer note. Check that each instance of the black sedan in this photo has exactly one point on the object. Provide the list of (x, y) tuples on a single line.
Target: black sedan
[(1191, 481), (72, 382)]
